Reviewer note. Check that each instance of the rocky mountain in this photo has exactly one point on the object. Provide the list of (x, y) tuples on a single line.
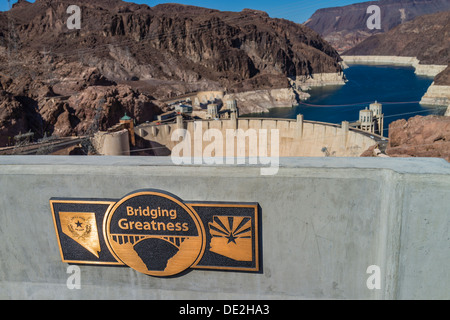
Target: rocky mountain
[(344, 27), (420, 137), (125, 57), (426, 37)]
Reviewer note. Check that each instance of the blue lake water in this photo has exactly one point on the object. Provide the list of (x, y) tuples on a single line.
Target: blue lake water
[(398, 88)]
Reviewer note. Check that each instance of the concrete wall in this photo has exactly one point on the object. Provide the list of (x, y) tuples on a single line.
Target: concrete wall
[(324, 221), (297, 138), (112, 143)]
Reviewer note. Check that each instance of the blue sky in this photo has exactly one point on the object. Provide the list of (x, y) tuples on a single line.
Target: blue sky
[(295, 10)]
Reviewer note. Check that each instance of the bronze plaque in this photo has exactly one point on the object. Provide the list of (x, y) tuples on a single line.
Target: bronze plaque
[(158, 234)]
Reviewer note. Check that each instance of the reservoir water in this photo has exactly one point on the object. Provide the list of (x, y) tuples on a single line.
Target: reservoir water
[(398, 88)]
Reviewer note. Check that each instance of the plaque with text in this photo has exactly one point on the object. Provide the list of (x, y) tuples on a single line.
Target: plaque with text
[(158, 234)]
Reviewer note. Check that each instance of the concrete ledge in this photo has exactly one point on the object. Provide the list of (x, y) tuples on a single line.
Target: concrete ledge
[(324, 222), (400, 165), (299, 138)]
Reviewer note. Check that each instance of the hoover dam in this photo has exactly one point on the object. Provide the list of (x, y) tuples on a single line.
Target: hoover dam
[(169, 204), (295, 138)]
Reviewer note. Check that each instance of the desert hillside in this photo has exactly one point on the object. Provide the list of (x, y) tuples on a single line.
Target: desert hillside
[(344, 27), (427, 38), (138, 55)]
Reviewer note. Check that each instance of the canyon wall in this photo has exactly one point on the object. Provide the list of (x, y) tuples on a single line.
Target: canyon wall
[(56, 81)]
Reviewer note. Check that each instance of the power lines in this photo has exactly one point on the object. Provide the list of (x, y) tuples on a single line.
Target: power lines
[(435, 108), (353, 104)]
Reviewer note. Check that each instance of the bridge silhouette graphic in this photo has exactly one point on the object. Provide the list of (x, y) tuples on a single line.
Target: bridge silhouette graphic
[(134, 239)]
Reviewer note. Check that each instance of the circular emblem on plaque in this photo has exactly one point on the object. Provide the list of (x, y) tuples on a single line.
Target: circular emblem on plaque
[(154, 233)]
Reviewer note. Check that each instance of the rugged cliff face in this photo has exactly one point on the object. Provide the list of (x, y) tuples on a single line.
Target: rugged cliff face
[(345, 27), (426, 37), (420, 137), (176, 42), (154, 52), (443, 78)]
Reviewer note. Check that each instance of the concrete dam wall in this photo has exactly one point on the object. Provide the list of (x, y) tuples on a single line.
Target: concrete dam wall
[(330, 228), (297, 138)]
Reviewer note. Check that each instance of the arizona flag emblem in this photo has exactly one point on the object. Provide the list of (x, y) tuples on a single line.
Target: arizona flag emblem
[(232, 237)]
